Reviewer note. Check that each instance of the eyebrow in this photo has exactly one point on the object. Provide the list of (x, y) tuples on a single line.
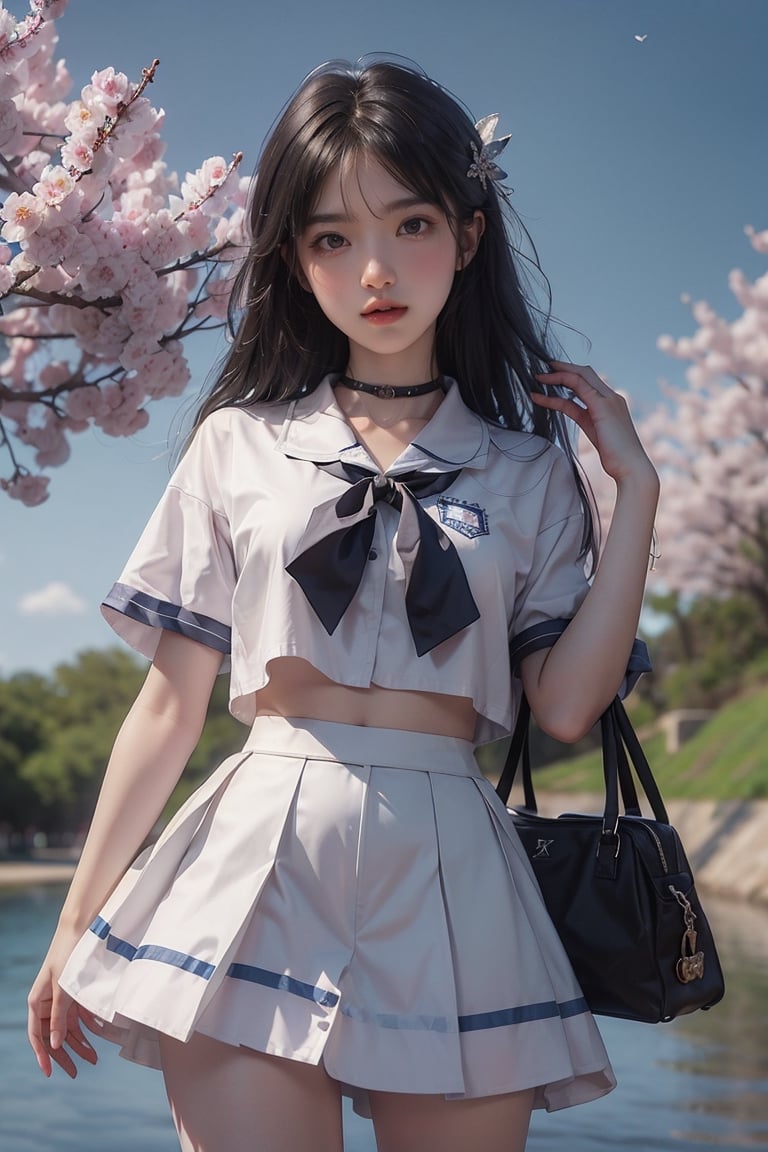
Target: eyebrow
[(343, 218)]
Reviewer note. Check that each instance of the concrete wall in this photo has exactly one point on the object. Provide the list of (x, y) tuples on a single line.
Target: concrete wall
[(725, 841)]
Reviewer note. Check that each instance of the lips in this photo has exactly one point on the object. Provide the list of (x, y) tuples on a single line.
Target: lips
[(384, 313)]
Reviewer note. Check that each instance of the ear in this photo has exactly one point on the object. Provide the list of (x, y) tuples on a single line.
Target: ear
[(470, 236), (298, 271)]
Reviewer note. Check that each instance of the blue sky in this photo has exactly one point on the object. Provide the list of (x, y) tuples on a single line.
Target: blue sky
[(635, 166)]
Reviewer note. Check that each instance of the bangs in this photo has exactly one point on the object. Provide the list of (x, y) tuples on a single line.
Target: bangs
[(342, 158), (339, 121)]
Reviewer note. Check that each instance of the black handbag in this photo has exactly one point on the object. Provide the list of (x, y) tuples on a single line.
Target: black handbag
[(619, 888)]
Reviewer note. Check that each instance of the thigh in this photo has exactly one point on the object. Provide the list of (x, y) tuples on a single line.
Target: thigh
[(411, 1123), (230, 1099)]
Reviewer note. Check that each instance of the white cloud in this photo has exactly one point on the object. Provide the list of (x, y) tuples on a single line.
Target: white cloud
[(55, 599)]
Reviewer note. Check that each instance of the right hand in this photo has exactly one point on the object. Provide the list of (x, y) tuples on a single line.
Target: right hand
[(54, 1018)]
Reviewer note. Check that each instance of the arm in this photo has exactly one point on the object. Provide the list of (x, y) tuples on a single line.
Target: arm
[(152, 748), (572, 683)]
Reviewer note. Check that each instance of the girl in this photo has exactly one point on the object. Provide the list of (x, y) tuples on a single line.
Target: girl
[(379, 494)]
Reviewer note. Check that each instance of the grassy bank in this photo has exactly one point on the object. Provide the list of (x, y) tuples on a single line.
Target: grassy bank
[(726, 760)]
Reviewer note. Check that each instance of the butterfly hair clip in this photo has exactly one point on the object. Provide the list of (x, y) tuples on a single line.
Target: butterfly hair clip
[(484, 164)]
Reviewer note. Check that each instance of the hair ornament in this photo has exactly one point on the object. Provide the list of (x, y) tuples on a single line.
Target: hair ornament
[(484, 164)]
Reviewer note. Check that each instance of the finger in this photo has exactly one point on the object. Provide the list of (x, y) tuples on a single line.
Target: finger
[(77, 1041), (577, 377), (552, 400), (40, 1050), (570, 408), (60, 1008), (36, 1012), (61, 1057), (585, 371)]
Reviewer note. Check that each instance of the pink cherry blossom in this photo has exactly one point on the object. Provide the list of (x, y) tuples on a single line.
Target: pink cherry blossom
[(22, 213), (199, 186), (85, 403), (107, 255), (195, 230), (163, 244), (82, 255), (52, 245), (106, 91), (137, 350), (77, 152), (30, 490), (152, 150), (711, 446), (758, 240), (124, 416), (7, 28), (30, 165), (50, 442), (104, 278), (52, 279), (83, 122), (51, 9), (10, 127)]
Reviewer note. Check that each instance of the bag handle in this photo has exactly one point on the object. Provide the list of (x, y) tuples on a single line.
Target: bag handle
[(621, 747)]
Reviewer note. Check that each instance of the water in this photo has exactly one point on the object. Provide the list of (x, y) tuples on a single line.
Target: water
[(698, 1084)]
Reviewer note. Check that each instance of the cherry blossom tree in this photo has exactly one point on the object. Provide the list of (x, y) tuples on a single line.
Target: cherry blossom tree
[(107, 261), (710, 443)]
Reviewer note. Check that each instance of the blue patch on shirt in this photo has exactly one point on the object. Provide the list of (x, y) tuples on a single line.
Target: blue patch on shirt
[(469, 519)]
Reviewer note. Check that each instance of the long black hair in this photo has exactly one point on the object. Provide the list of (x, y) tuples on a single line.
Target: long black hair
[(490, 335)]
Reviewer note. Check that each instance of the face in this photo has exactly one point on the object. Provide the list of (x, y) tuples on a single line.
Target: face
[(380, 262)]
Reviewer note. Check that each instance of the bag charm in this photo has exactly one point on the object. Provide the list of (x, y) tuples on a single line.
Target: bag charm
[(690, 966)]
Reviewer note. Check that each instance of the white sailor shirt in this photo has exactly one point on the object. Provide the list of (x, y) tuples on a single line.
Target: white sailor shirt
[(212, 561)]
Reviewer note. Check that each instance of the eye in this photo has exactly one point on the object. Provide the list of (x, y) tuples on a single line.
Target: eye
[(328, 242), (415, 226)]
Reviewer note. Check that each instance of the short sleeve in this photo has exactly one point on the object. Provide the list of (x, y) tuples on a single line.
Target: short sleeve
[(556, 582), (181, 574)]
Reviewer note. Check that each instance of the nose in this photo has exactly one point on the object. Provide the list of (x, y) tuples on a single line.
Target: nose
[(377, 271)]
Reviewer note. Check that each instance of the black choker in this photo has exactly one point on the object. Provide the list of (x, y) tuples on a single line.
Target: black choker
[(390, 391)]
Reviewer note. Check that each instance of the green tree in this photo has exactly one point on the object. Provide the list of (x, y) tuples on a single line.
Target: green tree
[(25, 700), (87, 702), (703, 658), (57, 761)]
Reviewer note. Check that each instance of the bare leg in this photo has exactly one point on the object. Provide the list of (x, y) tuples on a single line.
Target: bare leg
[(412, 1123), (228, 1099)]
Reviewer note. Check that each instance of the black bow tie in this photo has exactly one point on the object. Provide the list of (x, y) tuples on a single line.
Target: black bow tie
[(334, 549)]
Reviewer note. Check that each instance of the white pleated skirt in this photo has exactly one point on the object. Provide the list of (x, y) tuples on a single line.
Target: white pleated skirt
[(352, 895)]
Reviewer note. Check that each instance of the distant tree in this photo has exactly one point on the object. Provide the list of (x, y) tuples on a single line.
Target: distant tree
[(88, 701), (711, 444), (706, 654), (25, 699), (57, 732)]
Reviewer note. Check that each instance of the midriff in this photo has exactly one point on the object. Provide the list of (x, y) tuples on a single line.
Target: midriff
[(296, 688)]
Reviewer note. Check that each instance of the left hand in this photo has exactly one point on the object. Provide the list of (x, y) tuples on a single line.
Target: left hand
[(55, 1020), (602, 415)]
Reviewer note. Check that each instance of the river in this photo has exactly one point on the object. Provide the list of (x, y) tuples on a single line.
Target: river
[(696, 1085)]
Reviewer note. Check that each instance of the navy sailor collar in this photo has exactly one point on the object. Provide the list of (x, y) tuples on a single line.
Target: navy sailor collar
[(315, 428)]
